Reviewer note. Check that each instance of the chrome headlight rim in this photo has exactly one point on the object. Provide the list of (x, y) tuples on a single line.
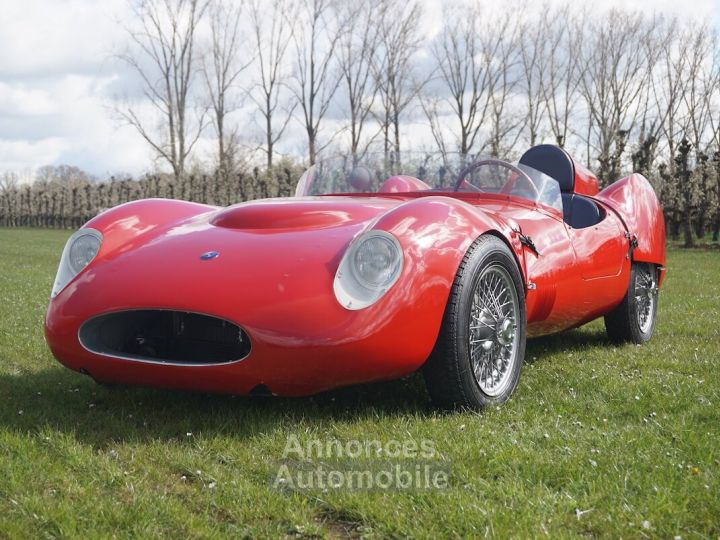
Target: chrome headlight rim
[(354, 292), (67, 271)]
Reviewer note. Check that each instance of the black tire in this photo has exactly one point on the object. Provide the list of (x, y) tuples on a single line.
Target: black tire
[(623, 324), (449, 373)]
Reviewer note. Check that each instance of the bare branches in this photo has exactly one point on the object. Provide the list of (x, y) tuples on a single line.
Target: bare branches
[(316, 78), (396, 81), (464, 60), (164, 58), (621, 85), (557, 70), (222, 68), (271, 40), (700, 85), (8, 181), (503, 51), (615, 72), (357, 50), (535, 57), (712, 97)]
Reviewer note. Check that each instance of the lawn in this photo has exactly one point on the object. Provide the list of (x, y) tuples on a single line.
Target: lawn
[(597, 441)]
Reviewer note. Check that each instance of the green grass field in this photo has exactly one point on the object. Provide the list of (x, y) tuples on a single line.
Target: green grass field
[(598, 440)]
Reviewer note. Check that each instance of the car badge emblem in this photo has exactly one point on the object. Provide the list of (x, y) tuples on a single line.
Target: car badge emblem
[(209, 255)]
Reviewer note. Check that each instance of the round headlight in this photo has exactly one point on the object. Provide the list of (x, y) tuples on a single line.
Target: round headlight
[(371, 265), (80, 249), (375, 261)]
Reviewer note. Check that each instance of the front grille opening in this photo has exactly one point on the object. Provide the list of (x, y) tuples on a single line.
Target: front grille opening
[(173, 337)]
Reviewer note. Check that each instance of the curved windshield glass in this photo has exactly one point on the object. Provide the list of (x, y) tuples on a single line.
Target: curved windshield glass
[(547, 187), (429, 172)]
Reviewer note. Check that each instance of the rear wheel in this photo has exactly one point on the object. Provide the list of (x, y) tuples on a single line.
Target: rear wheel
[(634, 319), (481, 346)]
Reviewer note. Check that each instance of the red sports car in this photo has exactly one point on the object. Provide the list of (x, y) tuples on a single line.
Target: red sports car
[(361, 277)]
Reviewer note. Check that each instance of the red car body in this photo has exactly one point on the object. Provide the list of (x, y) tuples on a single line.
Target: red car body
[(274, 262)]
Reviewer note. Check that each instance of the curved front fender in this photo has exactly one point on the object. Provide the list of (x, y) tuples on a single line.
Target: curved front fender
[(436, 233)]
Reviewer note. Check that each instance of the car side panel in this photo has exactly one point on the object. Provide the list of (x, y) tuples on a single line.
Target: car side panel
[(551, 273), (600, 249), (561, 292)]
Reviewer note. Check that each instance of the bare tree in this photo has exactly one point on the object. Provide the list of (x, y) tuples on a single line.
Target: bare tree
[(63, 174), (8, 181), (561, 77), (271, 40), (221, 70), (397, 84), (165, 60), (464, 76), (316, 30), (713, 98), (701, 81), (8, 199), (503, 52), (661, 98), (356, 52), (713, 93), (615, 70), (700, 85), (534, 61), (434, 110)]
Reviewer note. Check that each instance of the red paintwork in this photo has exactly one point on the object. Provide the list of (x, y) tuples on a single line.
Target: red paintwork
[(633, 199), (402, 184), (278, 258), (586, 183)]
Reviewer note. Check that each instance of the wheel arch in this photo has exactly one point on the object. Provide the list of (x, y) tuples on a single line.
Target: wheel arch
[(448, 227), (436, 234), (517, 253)]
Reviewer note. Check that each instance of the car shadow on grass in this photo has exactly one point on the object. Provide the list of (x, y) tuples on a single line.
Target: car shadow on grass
[(570, 341), (61, 400)]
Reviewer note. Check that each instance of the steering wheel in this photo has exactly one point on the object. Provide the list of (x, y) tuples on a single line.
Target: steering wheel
[(507, 187)]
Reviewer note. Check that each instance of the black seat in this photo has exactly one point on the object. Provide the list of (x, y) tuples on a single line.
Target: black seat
[(567, 206), (553, 161), (578, 211)]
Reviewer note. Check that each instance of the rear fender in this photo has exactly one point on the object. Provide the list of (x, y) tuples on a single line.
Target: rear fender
[(633, 199)]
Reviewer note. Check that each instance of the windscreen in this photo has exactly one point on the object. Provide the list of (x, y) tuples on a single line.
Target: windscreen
[(442, 173)]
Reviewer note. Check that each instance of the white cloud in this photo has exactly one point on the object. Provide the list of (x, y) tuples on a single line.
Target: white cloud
[(19, 154), (58, 75), (44, 37)]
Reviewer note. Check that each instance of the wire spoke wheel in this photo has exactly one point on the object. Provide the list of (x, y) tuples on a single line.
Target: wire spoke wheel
[(493, 339), (480, 348), (634, 319), (645, 296)]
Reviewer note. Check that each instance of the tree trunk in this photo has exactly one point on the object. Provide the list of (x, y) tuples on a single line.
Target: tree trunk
[(311, 147), (687, 230), (268, 130)]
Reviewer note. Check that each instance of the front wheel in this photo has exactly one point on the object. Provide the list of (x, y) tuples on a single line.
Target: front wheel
[(634, 319), (479, 353)]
